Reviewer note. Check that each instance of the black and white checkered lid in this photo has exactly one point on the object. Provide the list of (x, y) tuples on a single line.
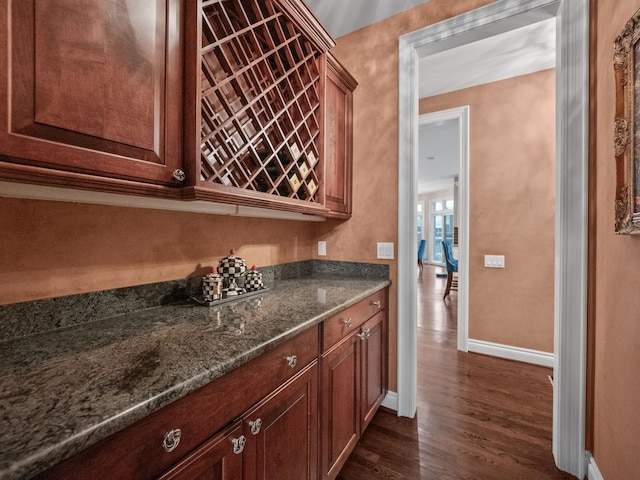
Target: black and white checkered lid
[(232, 266)]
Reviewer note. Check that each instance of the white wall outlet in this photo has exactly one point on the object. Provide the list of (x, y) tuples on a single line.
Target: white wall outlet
[(385, 250), (494, 261), (322, 248)]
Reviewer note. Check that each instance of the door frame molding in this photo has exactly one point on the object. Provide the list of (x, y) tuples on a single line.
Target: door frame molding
[(571, 201)]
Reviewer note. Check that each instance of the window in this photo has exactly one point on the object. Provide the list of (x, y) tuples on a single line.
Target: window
[(441, 228)]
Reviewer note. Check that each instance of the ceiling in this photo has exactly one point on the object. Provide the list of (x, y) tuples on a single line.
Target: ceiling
[(497, 57)]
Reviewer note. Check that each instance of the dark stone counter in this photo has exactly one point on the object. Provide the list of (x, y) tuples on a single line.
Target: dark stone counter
[(65, 389)]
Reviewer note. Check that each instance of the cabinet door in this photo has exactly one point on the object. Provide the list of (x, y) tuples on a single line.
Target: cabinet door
[(91, 87), (218, 459), (338, 141), (340, 404), (282, 432), (374, 385)]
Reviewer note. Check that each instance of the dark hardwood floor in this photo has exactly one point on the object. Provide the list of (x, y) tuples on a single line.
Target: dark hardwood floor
[(479, 417)]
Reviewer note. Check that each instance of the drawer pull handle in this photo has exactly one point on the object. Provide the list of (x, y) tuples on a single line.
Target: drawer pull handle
[(292, 361), (238, 444), (255, 426), (171, 440), (347, 322), (365, 334), (376, 304)]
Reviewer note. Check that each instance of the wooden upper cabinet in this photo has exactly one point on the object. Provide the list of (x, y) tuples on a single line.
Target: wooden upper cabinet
[(91, 87), (256, 104), (337, 149)]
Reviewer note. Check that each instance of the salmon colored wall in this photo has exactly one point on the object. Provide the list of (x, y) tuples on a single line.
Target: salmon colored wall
[(512, 203), (617, 322), (53, 248), (371, 56)]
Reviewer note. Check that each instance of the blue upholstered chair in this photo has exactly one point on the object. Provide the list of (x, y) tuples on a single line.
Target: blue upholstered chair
[(452, 267), (421, 249)]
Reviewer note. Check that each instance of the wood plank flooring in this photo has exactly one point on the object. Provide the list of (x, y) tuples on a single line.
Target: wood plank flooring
[(479, 417)]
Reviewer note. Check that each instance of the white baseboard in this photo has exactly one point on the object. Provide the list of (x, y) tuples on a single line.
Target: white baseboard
[(390, 401), (526, 355), (593, 472)]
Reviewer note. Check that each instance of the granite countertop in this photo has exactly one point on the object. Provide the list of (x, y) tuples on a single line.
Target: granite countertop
[(64, 390)]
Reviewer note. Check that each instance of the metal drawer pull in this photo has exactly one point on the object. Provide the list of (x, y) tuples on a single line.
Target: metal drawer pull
[(376, 303), (255, 426), (292, 361), (171, 440), (367, 332), (238, 444), (361, 336), (347, 322)]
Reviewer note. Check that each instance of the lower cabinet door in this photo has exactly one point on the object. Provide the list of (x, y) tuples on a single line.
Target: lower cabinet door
[(340, 404), (374, 385), (217, 459), (282, 432)]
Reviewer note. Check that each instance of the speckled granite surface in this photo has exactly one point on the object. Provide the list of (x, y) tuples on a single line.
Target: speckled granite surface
[(63, 390)]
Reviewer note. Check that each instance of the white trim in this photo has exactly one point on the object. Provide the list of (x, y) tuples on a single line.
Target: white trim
[(535, 357), (57, 194), (461, 114), (572, 77), (571, 167), (593, 472), (390, 401)]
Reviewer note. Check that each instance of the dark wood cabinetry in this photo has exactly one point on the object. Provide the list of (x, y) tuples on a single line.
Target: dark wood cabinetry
[(234, 101), (353, 378), (218, 459), (337, 150), (81, 104), (282, 432)]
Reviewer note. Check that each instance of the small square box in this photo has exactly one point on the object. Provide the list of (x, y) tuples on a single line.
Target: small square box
[(312, 187), (294, 181)]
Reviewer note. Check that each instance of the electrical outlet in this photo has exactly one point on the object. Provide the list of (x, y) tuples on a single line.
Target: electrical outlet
[(494, 261), (322, 248), (385, 250)]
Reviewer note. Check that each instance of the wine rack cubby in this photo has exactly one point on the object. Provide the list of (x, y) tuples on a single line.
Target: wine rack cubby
[(260, 101)]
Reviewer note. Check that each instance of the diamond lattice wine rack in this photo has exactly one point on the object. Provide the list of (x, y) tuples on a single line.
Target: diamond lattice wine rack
[(260, 101)]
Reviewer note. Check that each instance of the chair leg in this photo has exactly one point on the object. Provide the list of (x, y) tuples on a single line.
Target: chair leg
[(448, 287)]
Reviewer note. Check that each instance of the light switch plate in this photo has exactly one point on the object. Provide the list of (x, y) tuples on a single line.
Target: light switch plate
[(322, 248), (385, 250), (494, 261)]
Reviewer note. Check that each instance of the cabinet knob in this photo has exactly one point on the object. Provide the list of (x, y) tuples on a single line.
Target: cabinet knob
[(361, 336), (347, 322), (255, 426), (367, 332), (292, 361), (179, 175), (171, 440), (376, 304), (238, 444)]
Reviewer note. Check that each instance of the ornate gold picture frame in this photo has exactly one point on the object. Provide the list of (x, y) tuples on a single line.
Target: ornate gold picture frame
[(626, 64)]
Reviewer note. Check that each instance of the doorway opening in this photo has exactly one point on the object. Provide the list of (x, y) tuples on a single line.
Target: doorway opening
[(571, 202)]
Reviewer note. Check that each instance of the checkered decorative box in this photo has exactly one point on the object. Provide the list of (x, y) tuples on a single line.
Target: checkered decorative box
[(212, 287), (230, 268), (253, 280)]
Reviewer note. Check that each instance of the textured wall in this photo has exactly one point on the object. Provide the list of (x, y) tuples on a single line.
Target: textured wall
[(50, 249), (617, 323), (511, 213)]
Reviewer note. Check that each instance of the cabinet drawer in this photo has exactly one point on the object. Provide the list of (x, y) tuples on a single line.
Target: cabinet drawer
[(348, 321), (138, 451)]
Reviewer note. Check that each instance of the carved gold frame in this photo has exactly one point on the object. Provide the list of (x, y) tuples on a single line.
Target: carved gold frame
[(626, 64)]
